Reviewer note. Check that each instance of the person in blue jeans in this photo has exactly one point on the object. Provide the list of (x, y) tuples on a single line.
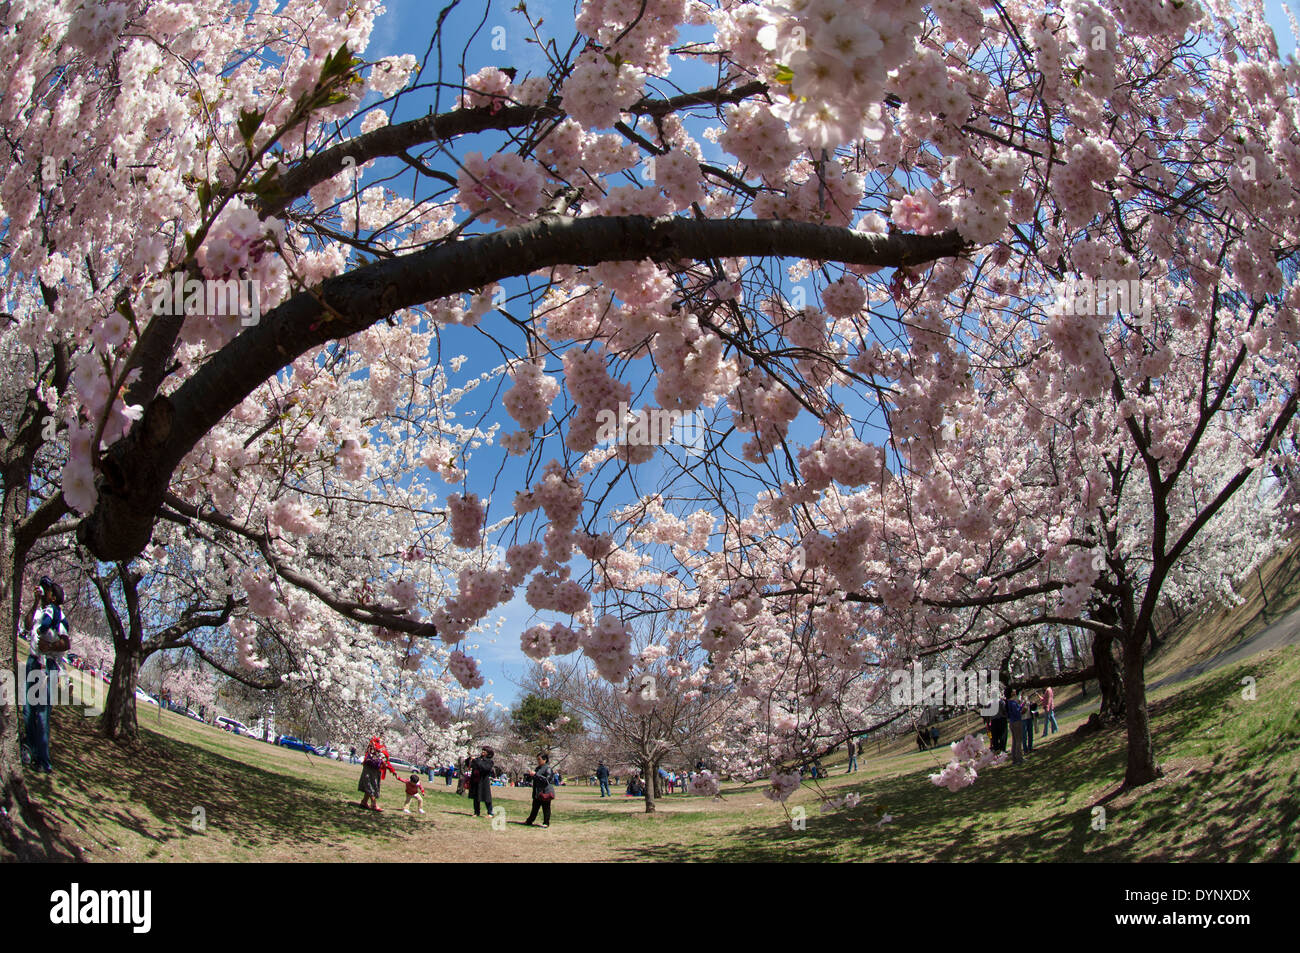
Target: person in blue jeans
[(1016, 718), (1049, 713), (853, 756), (602, 775), (47, 641)]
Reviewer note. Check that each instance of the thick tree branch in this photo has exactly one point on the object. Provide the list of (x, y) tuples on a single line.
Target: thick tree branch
[(196, 616), (229, 672), (356, 611), (136, 471), (40, 520), (394, 140), (1051, 681)]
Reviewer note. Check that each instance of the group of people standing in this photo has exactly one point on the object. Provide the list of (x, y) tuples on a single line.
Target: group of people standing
[(1017, 715), (670, 782), (475, 780)]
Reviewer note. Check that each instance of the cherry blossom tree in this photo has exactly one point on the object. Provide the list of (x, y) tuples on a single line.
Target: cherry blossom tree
[(654, 714), (137, 637), (835, 235)]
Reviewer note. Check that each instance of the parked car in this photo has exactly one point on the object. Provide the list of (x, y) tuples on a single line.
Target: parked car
[(143, 696), (229, 724), (297, 744)]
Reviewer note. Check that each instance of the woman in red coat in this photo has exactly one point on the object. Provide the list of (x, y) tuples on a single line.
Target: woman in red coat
[(373, 768)]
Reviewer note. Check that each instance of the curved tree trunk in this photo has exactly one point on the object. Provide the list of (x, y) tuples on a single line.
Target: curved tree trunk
[(20, 821), (25, 833), (1141, 768), (118, 721), (1110, 682), (1156, 640)]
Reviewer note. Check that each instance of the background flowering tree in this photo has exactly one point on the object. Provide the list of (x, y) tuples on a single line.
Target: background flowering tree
[(838, 248), (655, 716)]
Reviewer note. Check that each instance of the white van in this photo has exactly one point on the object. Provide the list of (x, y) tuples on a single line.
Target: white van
[(229, 724)]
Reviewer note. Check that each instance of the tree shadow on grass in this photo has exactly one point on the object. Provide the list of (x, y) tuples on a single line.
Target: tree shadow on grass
[(167, 780), (1233, 808), (595, 815)]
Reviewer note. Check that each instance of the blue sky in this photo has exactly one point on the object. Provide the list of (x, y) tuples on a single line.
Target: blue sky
[(405, 29)]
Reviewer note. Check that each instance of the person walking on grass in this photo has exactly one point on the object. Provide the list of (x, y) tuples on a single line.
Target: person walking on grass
[(1049, 710), (543, 790), (853, 756), (480, 780), (414, 792), (1030, 713), (47, 640), (602, 775), (1015, 717), (374, 766)]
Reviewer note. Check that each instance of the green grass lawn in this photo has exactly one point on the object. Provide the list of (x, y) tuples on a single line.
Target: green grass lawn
[(1231, 767)]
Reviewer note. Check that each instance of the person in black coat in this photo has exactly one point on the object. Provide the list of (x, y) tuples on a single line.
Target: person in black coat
[(998, 728), (480, 780), (543, 791), (602, 775)]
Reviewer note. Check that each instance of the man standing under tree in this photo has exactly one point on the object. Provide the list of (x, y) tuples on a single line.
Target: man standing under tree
[(602, 775), (480, 780)]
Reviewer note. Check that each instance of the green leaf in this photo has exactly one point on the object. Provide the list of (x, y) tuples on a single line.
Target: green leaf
[(249, 121), (784, 75), (337, 64)]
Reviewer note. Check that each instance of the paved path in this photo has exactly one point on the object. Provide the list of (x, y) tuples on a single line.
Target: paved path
[(1285, 631)]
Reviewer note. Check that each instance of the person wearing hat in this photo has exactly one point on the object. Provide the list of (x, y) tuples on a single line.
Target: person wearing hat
[(47, 641), (480, 780)]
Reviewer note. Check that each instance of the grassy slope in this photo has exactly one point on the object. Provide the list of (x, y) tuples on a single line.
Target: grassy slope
[(1231, 766)]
